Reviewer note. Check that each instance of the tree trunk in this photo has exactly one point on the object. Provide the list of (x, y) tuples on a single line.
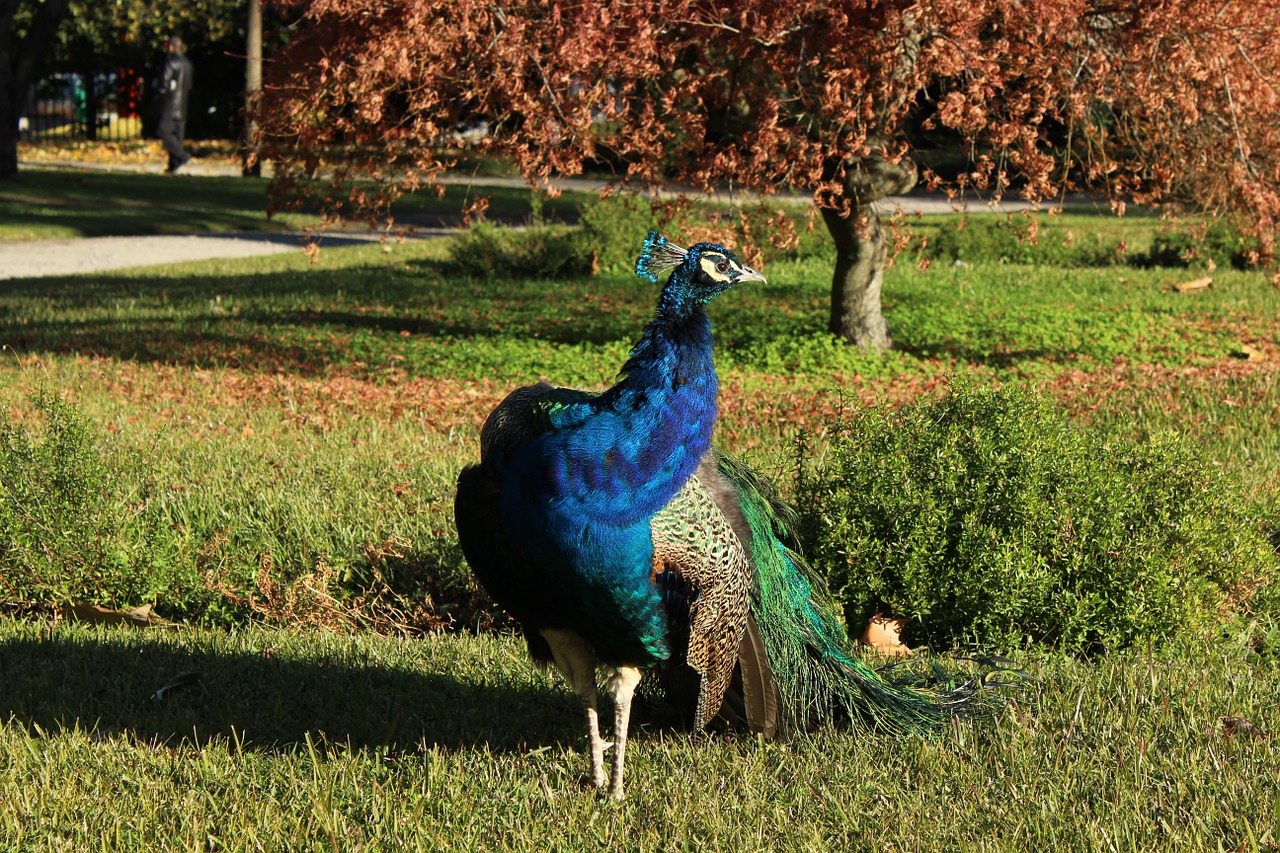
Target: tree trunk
[(251, 167), (855, 287), (18, 65), (90, 106), (856, 314), (9, 111)]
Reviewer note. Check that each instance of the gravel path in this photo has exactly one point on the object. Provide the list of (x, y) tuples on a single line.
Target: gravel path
[(39, 258), (95, 254)]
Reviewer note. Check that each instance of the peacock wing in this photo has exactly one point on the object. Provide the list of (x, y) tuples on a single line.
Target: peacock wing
[(529, 411), (692, 538)]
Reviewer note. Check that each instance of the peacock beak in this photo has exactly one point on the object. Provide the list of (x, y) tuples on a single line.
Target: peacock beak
[(748, 274)]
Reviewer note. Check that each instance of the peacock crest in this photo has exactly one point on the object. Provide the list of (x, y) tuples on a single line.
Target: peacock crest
[(659, 255)]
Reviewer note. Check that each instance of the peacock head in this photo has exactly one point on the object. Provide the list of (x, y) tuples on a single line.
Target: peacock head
[(700, 273)]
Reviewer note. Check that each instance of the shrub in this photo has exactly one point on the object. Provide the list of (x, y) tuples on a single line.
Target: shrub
[(69, 528), (1006, 241), (80, 520), (609, 239), (987, 516), (538, 251), (1218, 243), (615, 227)]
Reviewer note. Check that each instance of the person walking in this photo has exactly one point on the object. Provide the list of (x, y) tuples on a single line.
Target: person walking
[(174, 93)]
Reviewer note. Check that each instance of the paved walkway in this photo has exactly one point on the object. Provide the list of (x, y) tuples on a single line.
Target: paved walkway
[(38, 258), (97, 254)]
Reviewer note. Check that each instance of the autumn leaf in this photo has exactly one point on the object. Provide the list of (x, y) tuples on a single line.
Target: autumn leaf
[(883, 635), (92, 614), (1193, 285), (1241, 727), (1249, 352)]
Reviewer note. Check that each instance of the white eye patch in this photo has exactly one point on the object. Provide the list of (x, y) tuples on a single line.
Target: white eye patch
[(715, 266)]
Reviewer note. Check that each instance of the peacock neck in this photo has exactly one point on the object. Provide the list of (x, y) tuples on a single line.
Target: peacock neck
[(674, 352), (677, 302), (668, 401)]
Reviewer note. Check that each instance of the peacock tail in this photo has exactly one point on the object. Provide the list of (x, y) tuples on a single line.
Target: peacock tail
[(809, 653)]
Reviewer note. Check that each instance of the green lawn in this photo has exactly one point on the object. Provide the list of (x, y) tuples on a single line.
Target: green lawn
[(58, 204), (306, 740), (278, 442)]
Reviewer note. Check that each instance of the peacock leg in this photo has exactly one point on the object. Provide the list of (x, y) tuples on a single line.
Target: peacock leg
[(623, 687), (576, 661)]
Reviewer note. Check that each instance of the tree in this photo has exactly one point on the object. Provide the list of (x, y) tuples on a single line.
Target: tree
[(1147, 101), (21, 51)]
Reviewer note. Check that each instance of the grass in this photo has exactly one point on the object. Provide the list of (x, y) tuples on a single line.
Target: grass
[(292, 431), (43, 204), (381, 312), (51, 204), (306, 740)]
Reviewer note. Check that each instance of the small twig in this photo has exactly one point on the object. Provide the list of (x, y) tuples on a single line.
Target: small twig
[(1084, 60), (763, 42), (1249, 59), (546, 84), (1231, 104)]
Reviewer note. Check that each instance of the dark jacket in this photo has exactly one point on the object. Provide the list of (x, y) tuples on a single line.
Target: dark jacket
[(175, 86)]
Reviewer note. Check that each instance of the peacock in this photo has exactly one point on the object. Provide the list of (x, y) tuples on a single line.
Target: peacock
[(609, 526)]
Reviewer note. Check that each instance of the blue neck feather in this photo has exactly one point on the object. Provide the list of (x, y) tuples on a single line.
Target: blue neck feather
[(667, 400)]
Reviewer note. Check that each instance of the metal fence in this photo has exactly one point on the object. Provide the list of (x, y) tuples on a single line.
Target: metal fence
[(115, 104), (97, 106)]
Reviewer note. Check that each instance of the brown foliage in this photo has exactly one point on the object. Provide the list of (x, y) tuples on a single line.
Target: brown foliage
[(1147, 101), (1158, 102)]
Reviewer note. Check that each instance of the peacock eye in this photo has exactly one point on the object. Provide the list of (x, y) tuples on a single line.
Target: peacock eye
[(722, 267)]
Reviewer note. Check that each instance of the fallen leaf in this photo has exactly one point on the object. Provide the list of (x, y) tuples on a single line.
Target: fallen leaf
[(883, 635), (1241, 726), (1249, 352), (178, 682), (1194, 284), (92, 614)]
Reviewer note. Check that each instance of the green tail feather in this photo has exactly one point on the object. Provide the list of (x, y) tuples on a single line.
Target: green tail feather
[(809, 651)]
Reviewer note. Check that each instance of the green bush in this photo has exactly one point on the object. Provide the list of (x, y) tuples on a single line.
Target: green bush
[(609, 238), (486, 251), (69, 528), (80, 521), (1220, 243), (987, 516), (1006, 241), (614, 229)]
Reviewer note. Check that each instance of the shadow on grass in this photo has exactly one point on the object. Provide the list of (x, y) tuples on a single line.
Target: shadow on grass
[(300, 321), (105, 683)]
